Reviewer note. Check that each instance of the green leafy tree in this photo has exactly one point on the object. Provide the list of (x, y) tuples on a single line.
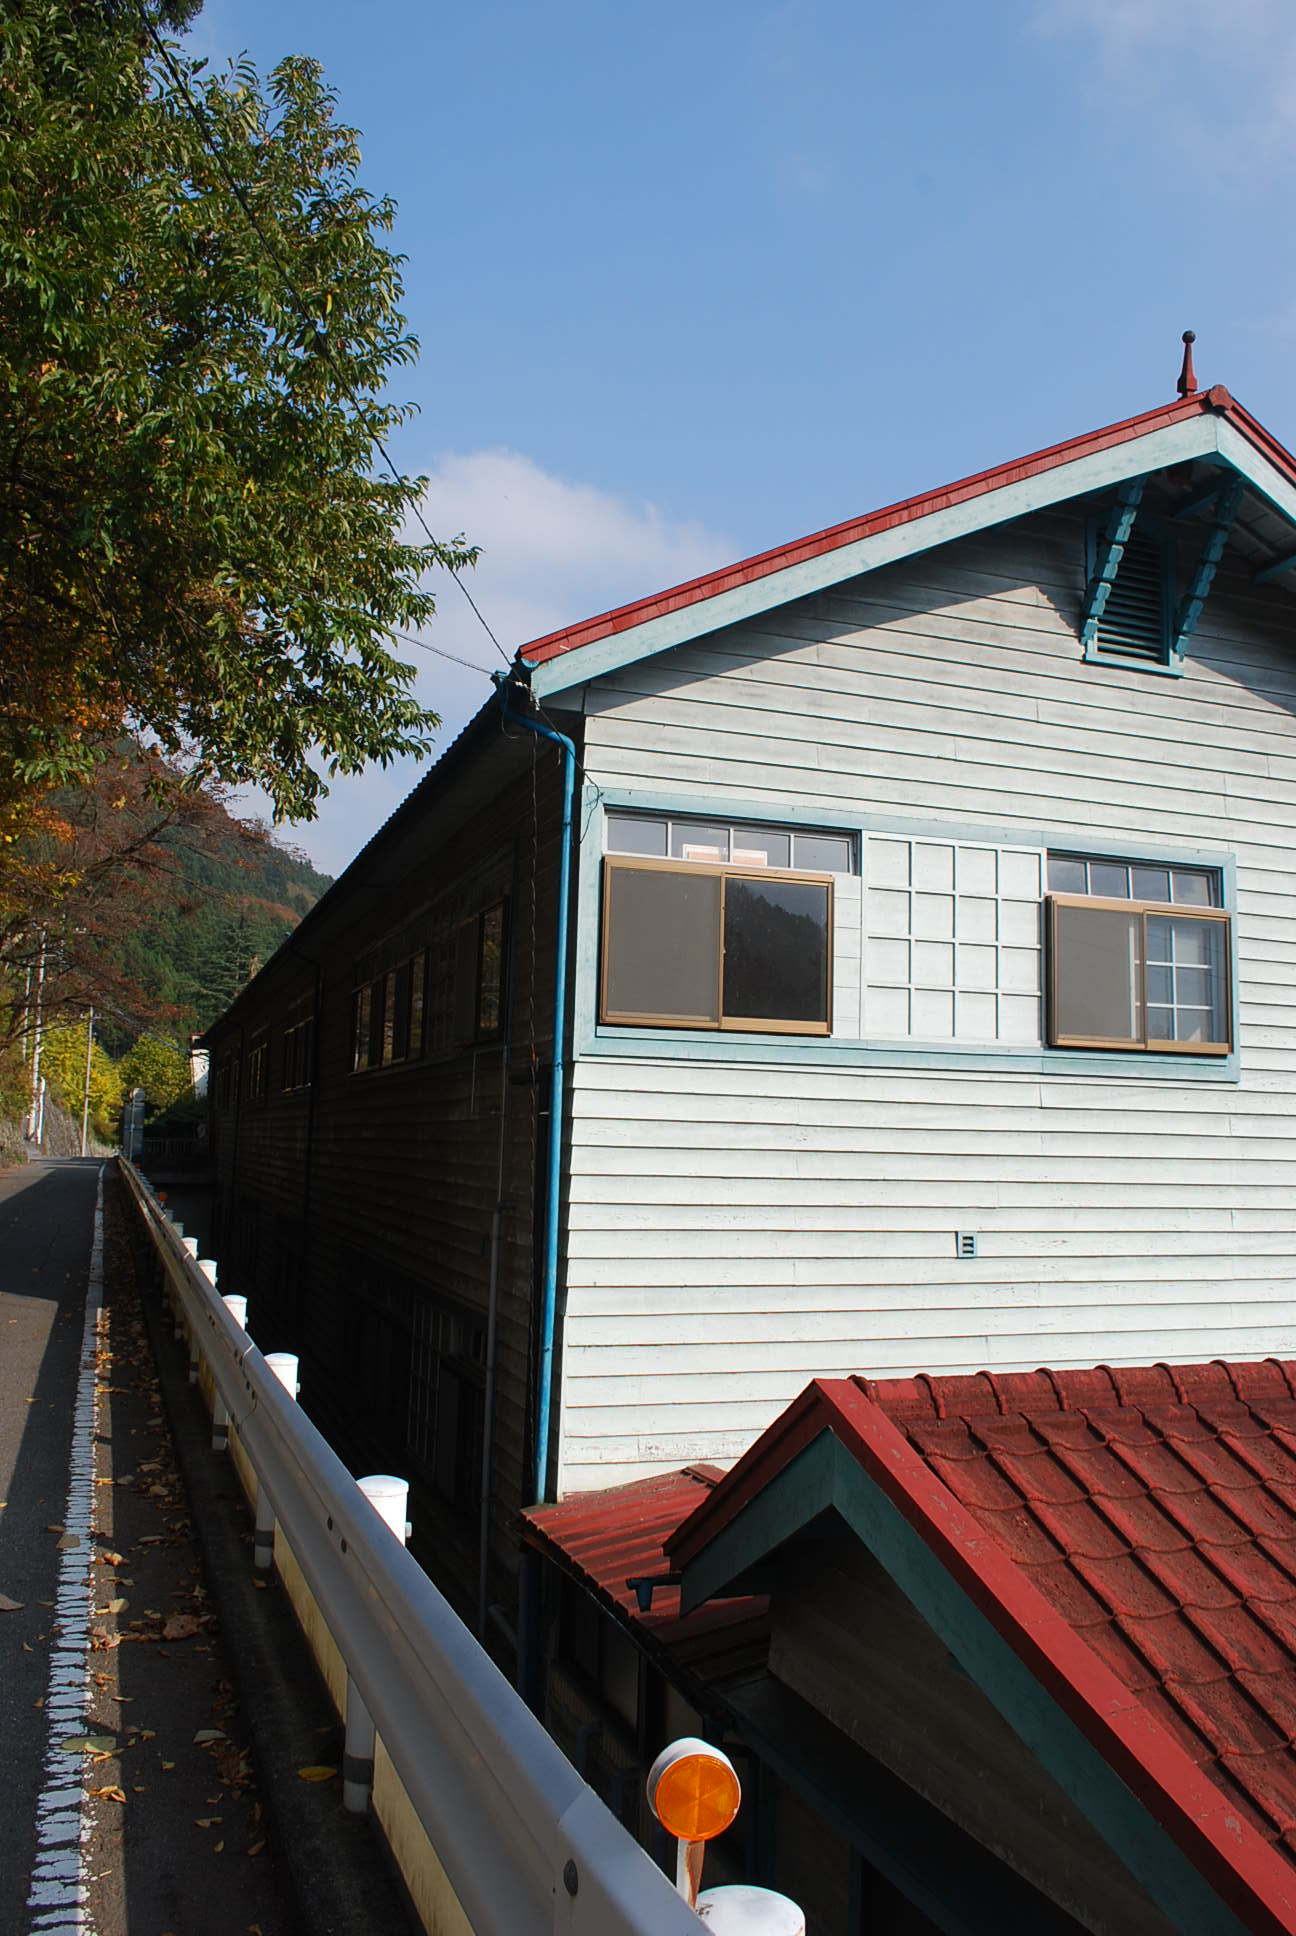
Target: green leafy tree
[(199, 319), (63, 1060), (159, 1068)]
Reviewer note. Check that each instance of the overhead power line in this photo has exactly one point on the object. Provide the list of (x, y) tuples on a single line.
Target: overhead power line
[(214, 148)]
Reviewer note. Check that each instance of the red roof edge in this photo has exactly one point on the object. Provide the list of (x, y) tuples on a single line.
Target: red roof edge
[(625, 617), (1250, 1876)]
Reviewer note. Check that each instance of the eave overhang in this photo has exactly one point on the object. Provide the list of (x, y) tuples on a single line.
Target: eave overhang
[(1209, 426)]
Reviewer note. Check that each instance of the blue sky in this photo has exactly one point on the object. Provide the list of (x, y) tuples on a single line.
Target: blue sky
[(694, 280)]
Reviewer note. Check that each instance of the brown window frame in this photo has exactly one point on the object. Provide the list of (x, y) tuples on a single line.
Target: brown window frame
[(747, 1024), (1145, 1044)]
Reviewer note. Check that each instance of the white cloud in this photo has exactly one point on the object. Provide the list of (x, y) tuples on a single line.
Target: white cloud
[(553, 553), (1207, 73)]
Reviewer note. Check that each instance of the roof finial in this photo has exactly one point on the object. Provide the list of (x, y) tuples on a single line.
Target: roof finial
[(1187, 375)]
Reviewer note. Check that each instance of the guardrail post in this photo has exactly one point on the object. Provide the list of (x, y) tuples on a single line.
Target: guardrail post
[(208, 1267), (284, 1366), (389, 1497), (172, 1290), (237, 1308)]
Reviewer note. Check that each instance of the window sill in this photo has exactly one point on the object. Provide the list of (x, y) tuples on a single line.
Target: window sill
[(708, 1045), (1172, 669)]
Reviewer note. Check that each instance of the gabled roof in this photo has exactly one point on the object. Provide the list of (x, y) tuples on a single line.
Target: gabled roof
[(1131, 1535), (606, 1539), (1207, 425)]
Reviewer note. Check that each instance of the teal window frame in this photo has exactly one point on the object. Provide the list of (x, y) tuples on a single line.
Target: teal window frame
[(592, 1037)]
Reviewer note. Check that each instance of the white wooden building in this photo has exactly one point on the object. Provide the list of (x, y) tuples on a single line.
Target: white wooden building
[(990, 1125), (926, 989)]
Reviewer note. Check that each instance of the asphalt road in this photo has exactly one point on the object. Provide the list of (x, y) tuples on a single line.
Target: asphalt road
[(46, 1226)]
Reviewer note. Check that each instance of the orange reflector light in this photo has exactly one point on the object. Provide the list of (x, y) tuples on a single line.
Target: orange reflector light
[(697, 1795)]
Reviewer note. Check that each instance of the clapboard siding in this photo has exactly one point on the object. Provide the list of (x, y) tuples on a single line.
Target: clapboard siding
[(404, 1174), (738, 1227)]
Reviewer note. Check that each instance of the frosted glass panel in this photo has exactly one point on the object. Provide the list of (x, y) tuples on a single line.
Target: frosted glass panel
[(933, 1015), (976, 919), (977, 1018), (933, 916), (1019, 876), (1019, 969), (888, 961), (933, 963), (977, 873), (1019, 1018), (888, 912), (886, 1011), (976, 966), (887, 863), (933, 867), (1019, 921)]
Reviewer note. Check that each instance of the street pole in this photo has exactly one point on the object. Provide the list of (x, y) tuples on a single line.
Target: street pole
[(85, 1100), (37, 1112)]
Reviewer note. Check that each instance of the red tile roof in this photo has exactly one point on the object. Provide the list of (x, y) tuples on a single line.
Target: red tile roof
[(607, 1538), (1141, 1542), (625, 618)]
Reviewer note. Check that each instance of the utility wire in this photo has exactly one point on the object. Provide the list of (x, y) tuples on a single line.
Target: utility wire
[(203, 124)]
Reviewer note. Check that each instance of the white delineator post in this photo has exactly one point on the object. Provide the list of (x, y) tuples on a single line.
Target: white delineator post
[(694, 1792), (739, 1910), (284, 1366), (389, 1497)]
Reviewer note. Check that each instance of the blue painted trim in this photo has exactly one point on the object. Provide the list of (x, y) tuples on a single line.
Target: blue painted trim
[(814, 1052), (596, 1038), (1172, 668), (824, 1477), (1226, 510), (1108, 552), (554, 1154), (1198, 437)]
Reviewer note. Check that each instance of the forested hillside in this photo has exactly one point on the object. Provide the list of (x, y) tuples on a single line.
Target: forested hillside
[(233, 896)]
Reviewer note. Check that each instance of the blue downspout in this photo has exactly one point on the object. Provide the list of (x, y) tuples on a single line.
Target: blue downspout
[(549, 1266)]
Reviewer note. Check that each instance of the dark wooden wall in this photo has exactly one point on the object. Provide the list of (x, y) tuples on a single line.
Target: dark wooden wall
[(355, 1211)]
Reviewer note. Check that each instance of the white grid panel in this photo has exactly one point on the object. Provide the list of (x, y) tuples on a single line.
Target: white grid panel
[(953, 941)]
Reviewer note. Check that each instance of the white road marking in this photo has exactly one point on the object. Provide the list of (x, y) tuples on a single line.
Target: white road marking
[(59, 1884)]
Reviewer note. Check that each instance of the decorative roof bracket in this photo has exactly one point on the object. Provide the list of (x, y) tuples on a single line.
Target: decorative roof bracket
[(1111, 549), (1221, 524)]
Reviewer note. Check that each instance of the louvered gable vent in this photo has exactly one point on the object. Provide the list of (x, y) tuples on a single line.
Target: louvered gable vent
[(1136, 621)]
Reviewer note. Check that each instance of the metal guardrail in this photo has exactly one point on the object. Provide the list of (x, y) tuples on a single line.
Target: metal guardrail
[(526, 1845)]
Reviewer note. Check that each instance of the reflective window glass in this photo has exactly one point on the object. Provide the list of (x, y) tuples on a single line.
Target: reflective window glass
[(635, 833), (824, 853), (1066, 875), (775, 951)]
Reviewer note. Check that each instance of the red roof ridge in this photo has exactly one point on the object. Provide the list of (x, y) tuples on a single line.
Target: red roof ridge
[(1034, 1393), (624, 618)]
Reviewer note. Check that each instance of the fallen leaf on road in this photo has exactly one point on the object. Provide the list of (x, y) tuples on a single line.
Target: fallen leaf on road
[(181, 1626), (205, 1821), (204, 1735), (168, 1765), (111, 1794), (89, 1744), (10, 1606), (218, 1848), (68, 1541), (256, 1849), (316, 1774)]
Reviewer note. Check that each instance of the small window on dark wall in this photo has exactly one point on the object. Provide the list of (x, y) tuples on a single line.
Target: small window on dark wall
[(1138, 957), (693, 946)]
